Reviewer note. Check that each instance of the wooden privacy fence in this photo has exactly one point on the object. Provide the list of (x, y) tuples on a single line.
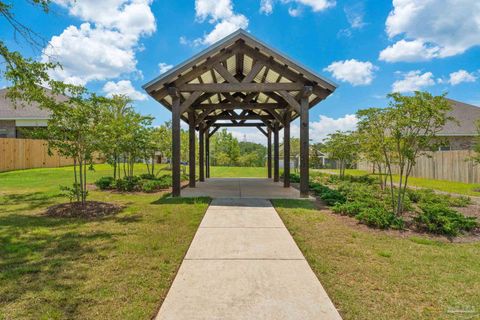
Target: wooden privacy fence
[(442, 165), (18, 154)]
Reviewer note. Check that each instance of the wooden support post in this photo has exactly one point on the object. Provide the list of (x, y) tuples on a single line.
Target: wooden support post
[(191, 148), (201, 152), (276, 168), (207, 153), (269, 153), (286, 151), (304, 143), (175, 142)]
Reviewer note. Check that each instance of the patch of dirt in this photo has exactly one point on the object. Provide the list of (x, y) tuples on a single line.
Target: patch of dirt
[(472, 210), (473, 236), (91, 209)]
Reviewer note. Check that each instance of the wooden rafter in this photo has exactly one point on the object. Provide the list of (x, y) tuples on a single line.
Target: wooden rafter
[(241, 87)]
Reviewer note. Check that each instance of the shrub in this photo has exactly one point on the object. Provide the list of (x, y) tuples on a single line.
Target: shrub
[(367, 179), (151, 185), (429, 196), (128, 184), (105, 183), (295, 178), (380, 218), (349, 208), (147, 176), (329, 196), (413, 195), (164, 182), (461, 201), (438, 218)]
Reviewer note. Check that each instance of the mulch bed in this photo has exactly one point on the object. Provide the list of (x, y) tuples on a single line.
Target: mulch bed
[(410, 231), (91, 209)]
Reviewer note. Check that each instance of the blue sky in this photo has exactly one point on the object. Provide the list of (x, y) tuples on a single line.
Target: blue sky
[(368, 47)]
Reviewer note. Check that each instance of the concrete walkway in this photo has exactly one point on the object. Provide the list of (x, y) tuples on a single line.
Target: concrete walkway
[(258, 188), (243, 264)]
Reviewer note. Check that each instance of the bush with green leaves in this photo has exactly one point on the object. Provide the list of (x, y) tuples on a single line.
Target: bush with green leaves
[(440, 219), (153, 185), (105, 183), (128, 184), (147, 176), (329, 196), (349, 208), (430, 196), (295, 178), (380, 218)]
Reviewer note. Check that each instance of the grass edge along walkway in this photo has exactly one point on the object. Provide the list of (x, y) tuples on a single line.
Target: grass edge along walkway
[(117, 267), (372, 274)]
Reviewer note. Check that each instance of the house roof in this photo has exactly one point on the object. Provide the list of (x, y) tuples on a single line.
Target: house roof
[(232, 60), (10, 110), (467, 116)]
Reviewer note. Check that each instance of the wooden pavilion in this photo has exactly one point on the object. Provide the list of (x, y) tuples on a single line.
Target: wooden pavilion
[(239, 82)]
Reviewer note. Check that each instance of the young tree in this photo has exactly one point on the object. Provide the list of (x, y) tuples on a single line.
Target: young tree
[(342, 147), (414, 124), (72, 132), (402, 132), (372, 131)]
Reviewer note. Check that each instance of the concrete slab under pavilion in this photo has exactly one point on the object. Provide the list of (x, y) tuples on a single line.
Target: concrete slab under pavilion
[(239, 82), (233, 188)]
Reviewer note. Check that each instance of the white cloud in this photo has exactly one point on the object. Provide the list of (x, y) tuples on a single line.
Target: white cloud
[(248, 134), (413, 81), (408, 51), (87, 54), (352, 71), (132, 17), (266, 6), (461, 76), (221, 14), (164, 67), (123, 87), (294, 12), (437, 28), (104, 46), (320, 129), (355, 15)]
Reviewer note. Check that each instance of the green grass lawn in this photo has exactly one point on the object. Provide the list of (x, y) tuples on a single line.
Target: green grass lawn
[(116, 267), (374, 275), (441, 185)]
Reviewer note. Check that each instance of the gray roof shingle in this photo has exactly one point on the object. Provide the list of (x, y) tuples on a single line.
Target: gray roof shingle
[(467, 116), (10, 110)]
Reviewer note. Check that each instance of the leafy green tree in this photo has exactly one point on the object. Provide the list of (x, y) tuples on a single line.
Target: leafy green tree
[(72, 132), (342, 147), (27, 77), (374, 145), (402, 132), (224, 149), (251, 154)]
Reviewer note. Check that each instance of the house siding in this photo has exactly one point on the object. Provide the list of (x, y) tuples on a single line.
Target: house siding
[(7, 129), (461, 142)]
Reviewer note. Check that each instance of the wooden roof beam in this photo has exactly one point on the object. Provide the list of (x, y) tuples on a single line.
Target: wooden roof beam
[(242, 87)]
